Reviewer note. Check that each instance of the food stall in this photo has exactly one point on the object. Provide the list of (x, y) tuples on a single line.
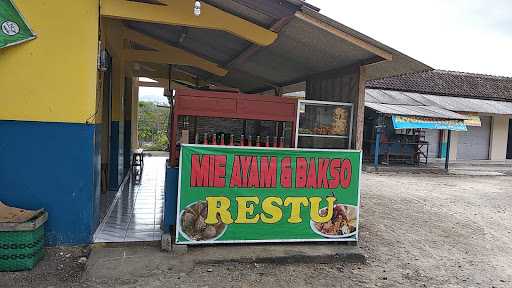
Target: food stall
[(255, 168)]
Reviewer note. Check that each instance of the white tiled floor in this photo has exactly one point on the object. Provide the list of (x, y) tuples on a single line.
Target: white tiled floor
[(137, 212)]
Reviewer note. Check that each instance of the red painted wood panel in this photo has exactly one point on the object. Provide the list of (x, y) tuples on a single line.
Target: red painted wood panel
[(267, 110), (235, 105)]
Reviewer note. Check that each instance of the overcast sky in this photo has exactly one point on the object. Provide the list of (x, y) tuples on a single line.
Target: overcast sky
[(151, 94), (461, 35)]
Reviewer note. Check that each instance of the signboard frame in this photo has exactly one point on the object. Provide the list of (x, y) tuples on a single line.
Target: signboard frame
[(214, 241)]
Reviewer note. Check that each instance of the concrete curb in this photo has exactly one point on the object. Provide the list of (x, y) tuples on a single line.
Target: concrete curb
[(286, 253), (404, 169), (298, 258), (107, 262)]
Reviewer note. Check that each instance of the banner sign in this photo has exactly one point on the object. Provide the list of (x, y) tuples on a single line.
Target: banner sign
[(249, 194), (13, 29), (473, 120), (413, 122)]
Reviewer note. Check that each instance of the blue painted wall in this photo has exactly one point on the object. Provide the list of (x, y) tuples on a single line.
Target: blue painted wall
[(127, 153), (171, 197), (97, 174), (113, 181), (53, 166), (120, 155), (116, 163), (444, 148)]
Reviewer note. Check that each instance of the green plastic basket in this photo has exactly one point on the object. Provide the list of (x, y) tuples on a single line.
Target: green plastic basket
[(22, 245)]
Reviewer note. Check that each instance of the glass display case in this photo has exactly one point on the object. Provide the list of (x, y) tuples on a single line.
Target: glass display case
[(324, 125)]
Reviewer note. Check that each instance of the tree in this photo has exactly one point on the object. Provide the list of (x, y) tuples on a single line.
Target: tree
[(153, 122)]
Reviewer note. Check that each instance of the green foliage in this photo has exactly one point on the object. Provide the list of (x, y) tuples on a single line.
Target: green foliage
[(153, 124)]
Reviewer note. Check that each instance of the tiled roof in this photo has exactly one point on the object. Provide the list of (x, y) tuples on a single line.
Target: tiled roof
[(449, 83)]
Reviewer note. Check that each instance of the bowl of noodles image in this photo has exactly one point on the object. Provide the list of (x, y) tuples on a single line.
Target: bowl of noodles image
[(193, 226), (343, 223)]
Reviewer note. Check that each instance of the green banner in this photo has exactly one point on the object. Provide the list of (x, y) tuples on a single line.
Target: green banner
[(249, 194), (13, 29)]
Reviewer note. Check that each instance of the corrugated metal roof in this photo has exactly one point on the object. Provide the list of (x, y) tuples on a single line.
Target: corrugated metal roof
[(458, 104), (382, 96), (261, 12), (422, 111), (408, 99), (301, 50)]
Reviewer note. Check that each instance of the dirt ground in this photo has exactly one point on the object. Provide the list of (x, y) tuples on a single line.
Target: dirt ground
[(417, 231), (61, 267)]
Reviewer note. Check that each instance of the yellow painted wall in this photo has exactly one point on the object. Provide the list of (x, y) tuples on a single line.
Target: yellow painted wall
[(52, 78), (118, 82), (112, 34), (135, 114)]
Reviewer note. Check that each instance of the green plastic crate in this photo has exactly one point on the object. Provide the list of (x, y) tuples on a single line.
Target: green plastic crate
[(22, 245)]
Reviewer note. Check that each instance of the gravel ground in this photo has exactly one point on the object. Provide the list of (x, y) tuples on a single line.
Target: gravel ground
[(417, 230)]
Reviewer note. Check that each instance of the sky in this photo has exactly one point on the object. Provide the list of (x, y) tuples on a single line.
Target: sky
[(459, 35), (151, 94)]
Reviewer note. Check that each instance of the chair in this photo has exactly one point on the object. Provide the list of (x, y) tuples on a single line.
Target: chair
[(138, 158)]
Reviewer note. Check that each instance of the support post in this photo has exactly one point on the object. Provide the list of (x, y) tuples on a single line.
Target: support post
[(278, 91), (359, 110), (377, 147), (448, 144)]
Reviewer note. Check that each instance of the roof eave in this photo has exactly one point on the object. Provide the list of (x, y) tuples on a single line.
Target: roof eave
[(400, 64)]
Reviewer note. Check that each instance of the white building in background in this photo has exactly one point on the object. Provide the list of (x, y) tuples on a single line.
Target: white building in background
[(486, 99)]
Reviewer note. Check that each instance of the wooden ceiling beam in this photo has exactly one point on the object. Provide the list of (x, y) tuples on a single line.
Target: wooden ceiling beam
[(177, 75), (166, 54), (180, 13)]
